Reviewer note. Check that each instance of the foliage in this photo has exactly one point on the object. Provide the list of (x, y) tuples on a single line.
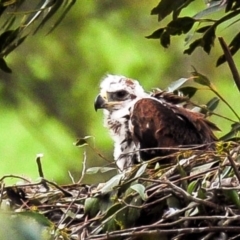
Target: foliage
[(56, 80), (198, 24), (20, 15), (25, 225), (182, 200), (187, 92)]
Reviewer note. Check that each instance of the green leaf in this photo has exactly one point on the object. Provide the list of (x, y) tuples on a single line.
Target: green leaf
[(188, 91), (234, 46), (180, 25), (67, 9), (234, 131), (192, 211), (203, 29), (141, 170), (176, 84), (227, 17), (82, 141), (94, 170), (132, 214), (110, 225), (201, 193), (156, 34), (173, 202), (208, 39), (235, 43), (92, 206), (51, 11), (192, 187), (9, 23), (6, 38), (25, 225), (165, 39), (213, 103), (165, 7), (4, 66), (2, 9), (14, 45), (221, 60), (203, 167), (140, 189), (112, 211), (226, 172), (218, 6), (128, 216), (201, 79), (233, 196), (183, 174), (229, 6), (112, 183), (38, 217), (193, 46), (110, 221)]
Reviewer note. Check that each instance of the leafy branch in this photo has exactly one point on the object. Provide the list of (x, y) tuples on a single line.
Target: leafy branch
[(18, 22), (183, 24)]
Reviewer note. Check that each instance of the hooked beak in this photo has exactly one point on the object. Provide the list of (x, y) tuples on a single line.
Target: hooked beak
[(99, 102)]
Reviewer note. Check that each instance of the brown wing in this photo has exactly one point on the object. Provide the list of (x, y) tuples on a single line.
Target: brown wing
[(169, 97), (157, 124)]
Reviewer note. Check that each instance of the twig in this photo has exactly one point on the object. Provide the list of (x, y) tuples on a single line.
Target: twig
[(177, 213), (211, 112), (146, 205), (189, 197), (68, 208), (40, 171), (38, 160), (230, 62), (108, 219), (235, 169), (1, 192), (72, 178), (123, 233), (14, 176), (236, 217), (84, 231), (235, 237), (223, 99), (157, 182), (99, 154), (83, 168), (84, 225), (66, 193)]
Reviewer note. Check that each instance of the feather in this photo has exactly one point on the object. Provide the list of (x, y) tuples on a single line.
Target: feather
[(162, 125)]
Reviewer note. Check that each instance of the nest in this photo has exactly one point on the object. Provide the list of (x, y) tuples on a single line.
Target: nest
[(197, 197)]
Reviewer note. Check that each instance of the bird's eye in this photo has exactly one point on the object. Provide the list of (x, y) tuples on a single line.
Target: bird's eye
[(121, 94)]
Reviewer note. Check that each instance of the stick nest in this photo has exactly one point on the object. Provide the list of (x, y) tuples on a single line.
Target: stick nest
[(197, 197)]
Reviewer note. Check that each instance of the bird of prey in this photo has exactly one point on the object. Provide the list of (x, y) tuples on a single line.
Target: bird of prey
[(144, 126)]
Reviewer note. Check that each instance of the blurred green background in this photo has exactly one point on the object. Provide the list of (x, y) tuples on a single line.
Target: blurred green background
[(47, 102)]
